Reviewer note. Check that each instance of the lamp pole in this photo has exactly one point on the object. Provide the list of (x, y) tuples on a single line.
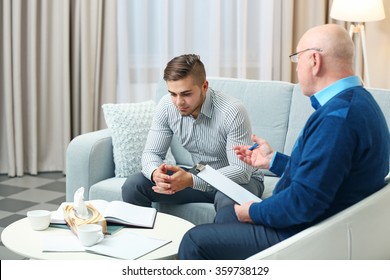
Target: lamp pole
[(358, 28)]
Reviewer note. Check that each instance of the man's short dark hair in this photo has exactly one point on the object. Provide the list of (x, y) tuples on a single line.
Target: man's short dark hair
[(183, 66)]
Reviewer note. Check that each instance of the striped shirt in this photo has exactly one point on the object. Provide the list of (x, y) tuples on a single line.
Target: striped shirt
[(222, 123)]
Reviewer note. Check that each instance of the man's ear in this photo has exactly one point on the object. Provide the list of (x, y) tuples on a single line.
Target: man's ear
[(316, 62), (205, 85)]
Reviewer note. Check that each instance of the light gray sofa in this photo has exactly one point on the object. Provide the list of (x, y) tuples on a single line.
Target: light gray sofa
[(278, 111)]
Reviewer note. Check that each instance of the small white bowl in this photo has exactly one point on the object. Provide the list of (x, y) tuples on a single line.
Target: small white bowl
[(39, 219)]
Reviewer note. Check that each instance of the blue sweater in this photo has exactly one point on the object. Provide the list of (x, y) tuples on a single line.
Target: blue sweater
[(341, 157)]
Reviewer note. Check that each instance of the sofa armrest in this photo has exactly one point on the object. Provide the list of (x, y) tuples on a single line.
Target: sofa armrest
[(359, 232), (89, 159)]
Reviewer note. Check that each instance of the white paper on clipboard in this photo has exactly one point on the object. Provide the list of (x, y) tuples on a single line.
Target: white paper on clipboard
[(223, 184)]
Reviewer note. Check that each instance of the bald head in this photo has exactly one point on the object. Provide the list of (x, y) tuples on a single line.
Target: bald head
[(318, 69), (336, 44)]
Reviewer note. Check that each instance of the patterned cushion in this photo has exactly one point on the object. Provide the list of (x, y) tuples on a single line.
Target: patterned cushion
[(130, 124)]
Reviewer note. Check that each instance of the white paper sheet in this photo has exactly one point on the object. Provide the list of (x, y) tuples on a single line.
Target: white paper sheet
[(62, 243), (125, 245), (226, 186)]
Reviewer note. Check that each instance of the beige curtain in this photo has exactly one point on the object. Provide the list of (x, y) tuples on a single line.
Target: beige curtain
[(291, 19), (57, 66), (306, 14)]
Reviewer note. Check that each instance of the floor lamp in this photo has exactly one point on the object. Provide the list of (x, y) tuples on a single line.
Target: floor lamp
[(358, 12)]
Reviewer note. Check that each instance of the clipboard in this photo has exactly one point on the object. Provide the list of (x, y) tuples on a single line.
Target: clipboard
[(223, 183)]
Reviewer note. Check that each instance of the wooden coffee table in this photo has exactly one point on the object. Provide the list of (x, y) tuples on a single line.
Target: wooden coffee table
[(21, 239)]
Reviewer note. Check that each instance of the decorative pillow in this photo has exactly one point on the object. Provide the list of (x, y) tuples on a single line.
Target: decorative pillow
[(130, 124)]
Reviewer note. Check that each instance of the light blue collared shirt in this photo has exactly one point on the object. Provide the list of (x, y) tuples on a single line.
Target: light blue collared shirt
[(320, 98)]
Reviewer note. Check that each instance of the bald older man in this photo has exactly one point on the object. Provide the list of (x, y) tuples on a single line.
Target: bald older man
[(340, 157)]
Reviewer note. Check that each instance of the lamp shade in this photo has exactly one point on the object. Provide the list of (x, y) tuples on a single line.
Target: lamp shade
[(357, 10)]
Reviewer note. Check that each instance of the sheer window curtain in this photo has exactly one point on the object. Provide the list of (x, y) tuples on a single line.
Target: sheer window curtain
[(240, 39), (57, 66)]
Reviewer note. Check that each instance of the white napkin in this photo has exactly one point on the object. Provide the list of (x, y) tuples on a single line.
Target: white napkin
[(79, 204)]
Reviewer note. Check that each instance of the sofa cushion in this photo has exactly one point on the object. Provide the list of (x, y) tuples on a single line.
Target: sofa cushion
[(109, 189), (300, 111), (267, 103), (130, 123)]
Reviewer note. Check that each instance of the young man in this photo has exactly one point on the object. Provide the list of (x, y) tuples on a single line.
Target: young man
[(208, 125), (340, 157)]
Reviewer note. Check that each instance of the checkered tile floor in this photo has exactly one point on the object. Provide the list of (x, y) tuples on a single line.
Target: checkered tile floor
[(21, 194)]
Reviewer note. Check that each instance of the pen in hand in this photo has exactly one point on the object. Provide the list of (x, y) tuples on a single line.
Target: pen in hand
[(254, 146)]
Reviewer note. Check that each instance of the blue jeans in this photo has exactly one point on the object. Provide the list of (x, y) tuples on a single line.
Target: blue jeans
[(226, 239)]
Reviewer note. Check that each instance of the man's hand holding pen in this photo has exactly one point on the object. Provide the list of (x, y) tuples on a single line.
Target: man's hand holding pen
[(258, 155)]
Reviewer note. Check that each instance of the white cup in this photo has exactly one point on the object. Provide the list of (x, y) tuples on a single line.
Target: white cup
[(39, 219), (90, 234)]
